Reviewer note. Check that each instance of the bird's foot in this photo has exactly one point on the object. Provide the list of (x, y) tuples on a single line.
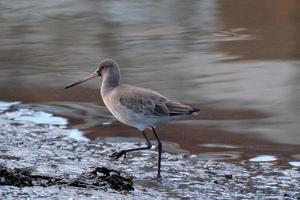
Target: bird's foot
[(118, 154)]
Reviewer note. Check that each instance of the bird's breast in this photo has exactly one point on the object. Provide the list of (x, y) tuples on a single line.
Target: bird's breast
[(121, 112)]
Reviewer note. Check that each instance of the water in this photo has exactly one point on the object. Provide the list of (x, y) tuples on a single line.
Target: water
[(238, 61)]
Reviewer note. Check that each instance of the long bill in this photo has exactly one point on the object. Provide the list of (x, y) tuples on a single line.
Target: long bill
[(89, 77)]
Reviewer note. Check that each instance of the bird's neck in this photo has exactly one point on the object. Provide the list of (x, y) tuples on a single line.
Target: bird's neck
[(109, 82)]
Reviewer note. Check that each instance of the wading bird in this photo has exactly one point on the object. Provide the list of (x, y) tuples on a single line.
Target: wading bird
[(134, 106)]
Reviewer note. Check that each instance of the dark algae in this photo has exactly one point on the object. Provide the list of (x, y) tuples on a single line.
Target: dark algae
[(15, 177), (98, 178)]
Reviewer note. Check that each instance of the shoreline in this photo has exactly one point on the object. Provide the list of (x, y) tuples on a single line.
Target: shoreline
[(205, 134), (48, 150)]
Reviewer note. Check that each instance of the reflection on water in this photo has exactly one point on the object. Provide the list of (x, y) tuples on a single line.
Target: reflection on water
[(241, 69), (27, 116), (275, 25), (227, 155), (42, 118), (295, 163), (263, 158), (5, 105)]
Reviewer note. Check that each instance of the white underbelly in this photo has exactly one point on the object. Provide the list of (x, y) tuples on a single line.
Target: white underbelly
[(128, 117)]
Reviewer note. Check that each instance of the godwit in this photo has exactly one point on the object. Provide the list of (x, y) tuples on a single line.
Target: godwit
[(134, 106)]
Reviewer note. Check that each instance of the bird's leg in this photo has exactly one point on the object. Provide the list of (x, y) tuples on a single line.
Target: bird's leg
[(123, 152), (159, 145)]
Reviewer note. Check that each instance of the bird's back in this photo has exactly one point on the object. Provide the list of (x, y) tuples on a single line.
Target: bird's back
[(134, 105)]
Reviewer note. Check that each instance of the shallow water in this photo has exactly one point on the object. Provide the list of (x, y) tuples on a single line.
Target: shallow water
[(241, 70)]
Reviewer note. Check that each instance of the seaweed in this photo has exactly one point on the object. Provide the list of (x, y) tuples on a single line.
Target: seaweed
[(98, 178)]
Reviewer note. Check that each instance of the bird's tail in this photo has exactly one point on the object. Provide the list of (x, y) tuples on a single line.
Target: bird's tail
[(176, 108), (194, 111)]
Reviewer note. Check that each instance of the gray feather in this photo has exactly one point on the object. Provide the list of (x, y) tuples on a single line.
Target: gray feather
[(150, 103)]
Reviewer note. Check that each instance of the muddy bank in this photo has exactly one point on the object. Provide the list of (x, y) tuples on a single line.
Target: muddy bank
[(213, 133), (52, 150)]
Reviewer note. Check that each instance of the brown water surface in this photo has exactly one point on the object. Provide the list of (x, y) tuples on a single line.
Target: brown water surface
[(238, 61)]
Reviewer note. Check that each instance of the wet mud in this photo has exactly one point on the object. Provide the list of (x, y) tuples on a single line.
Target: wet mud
[(40, 160)]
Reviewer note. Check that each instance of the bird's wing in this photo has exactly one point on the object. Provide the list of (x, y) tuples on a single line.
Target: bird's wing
[(151, 103), (146, 105)]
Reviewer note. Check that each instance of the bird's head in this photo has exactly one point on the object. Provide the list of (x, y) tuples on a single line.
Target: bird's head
[(107, 66)]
